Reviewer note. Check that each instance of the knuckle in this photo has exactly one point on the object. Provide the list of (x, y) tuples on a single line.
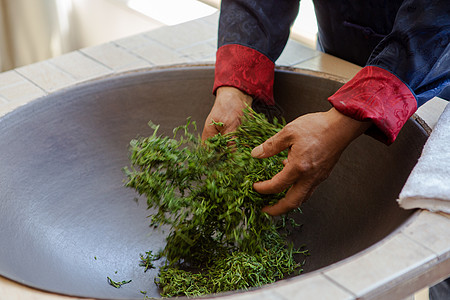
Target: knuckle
[(304, 166), (289, 130), (269, 143)]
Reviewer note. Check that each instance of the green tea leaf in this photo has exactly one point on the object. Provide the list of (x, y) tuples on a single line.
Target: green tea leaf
[(219, 239)]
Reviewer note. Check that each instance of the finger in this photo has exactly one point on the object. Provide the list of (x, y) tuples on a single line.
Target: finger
[(278, 183), (209, 131), (285, 162), (272, 146), (279, 208), (296, 195)]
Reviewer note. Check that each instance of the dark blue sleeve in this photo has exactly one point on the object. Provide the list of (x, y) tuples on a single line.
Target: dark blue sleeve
[(261, 25), (418, 48)]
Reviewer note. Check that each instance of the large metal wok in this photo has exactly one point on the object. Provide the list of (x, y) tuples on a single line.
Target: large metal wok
[(67, 222)]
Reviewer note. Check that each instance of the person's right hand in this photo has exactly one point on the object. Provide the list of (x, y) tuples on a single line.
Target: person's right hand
[(227, 109), (315, 142)]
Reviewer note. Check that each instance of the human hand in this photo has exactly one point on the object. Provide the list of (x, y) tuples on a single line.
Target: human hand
[(227, 109), (315, 142)]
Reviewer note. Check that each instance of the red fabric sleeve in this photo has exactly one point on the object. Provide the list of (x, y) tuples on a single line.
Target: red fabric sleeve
[(246, 69), (376, 94)]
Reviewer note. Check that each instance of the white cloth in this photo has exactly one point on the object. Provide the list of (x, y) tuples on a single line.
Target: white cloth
[(428, 185)]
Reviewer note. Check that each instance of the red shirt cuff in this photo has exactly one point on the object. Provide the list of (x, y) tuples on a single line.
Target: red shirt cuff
[(376, 94), (246, 69)]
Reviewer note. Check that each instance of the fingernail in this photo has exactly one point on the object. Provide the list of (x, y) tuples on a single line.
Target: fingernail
[(257, 151)]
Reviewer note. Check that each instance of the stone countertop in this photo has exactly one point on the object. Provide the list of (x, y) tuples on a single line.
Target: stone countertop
[(415, 256)]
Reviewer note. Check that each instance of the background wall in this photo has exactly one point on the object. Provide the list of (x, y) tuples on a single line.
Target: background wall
[(34, 30)]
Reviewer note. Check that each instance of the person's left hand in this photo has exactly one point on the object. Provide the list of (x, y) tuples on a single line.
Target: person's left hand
[(315, 142), (228, 109)]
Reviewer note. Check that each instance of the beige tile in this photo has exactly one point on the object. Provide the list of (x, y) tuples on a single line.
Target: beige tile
[(115, 57), (396, 257), (79, 66), (15, 88), (212, 19), (22, 92), (213, 43), (431, 230), (209, 59), (212, 56), (63, 71), (423, 294), (431, 110), (199, 52), (152, 51), (9, 78), (183, 35), (158, 54), (133, 42), (331, 65), (47, 76), (259, 294), (295, 53), (313, 287)]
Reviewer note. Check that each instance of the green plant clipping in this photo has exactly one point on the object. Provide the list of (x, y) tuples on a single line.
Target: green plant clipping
[(117, 284), (147, 260), (219, 239)]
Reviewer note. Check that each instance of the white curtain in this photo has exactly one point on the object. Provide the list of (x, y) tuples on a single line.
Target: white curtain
[(33, 30)]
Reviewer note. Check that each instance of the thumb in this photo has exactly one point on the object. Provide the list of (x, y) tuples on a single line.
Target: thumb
[(271, 146)]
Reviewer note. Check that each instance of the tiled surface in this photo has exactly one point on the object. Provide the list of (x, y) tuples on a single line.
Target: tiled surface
[(295, 53), (63, 71), (404, 255), (436, 238), (201, 52), (158, 54), (79, 66), (430, 109), (152, 51), (187, 34), (311, 287), (115, 57), (133, 42), (211, 20), (47, 76), (329, 64), (15, 88), (397, 256), (259, 294), (191, 42)]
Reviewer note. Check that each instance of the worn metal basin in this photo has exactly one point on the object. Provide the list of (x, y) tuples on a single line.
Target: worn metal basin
[(67, 222)]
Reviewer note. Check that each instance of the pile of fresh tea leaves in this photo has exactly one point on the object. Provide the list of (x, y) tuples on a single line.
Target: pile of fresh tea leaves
[(219, 239)]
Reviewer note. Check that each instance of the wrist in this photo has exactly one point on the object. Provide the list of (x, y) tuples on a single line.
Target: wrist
[(347, 129), (228, 92)]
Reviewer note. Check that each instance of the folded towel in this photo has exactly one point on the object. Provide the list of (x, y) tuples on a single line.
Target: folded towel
[(428, 185)]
